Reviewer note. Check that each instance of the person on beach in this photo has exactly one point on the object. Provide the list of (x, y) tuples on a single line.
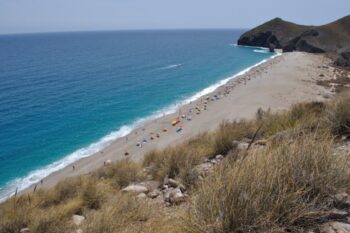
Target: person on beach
[(73, 168)]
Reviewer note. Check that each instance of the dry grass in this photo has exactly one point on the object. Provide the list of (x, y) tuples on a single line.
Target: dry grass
[(178, 161), (279, 187), (269, 190)]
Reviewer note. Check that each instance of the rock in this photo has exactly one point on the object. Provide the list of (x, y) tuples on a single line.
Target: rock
[(240, 146), (155, 193), (79, 231), (176, 196), (173, 183), (135, 188), (343, 60), (78, 219), (219, 157), (182, 187), (141, 196), (24, 230), (335, 227)]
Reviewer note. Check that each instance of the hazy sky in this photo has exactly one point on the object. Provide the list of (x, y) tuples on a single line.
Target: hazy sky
[(73, 15)]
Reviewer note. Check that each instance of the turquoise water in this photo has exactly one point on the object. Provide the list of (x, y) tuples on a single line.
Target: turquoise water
[(64, 96)]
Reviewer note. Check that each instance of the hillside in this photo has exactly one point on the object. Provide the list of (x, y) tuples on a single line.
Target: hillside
[(279, 172), (280, 34)]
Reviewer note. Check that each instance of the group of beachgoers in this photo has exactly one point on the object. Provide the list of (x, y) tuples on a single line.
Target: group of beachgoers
[(196, 110)]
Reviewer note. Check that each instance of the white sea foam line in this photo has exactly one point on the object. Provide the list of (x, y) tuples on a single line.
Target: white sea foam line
[(39, 174), (248, 46), (261, 51), (170, 66)]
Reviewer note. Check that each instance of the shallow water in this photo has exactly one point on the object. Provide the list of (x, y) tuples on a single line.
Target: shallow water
[(62, 93)]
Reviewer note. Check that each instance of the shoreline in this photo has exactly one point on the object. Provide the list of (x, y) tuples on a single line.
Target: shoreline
[(155, 124)]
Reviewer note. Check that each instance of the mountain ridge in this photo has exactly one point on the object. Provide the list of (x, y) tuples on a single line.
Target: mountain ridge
[(277, 33)]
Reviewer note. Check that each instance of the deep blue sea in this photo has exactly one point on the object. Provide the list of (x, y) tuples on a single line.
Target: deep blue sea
[(64, 96)]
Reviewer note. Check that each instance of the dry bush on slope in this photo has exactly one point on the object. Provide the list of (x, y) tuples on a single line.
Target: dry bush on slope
[(278, 187)]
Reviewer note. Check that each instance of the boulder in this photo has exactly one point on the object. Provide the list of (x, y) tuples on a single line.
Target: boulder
[(219, 157), (135, 188), (78, 219)]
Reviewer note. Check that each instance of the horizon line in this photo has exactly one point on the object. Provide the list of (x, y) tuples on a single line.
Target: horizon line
[(117, 30)]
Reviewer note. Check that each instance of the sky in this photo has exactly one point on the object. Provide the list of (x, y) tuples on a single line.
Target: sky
[(26, 16)]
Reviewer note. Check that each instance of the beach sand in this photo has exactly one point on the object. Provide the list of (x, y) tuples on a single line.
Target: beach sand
[(276, 84)]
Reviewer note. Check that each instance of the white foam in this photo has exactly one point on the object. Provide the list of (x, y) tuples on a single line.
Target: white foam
[(261, 51), (39, 174), (247, 46), (171, 66)]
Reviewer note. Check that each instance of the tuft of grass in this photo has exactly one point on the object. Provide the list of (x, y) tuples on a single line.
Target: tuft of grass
[(280, 186), (122, 213), (121, 173), (178, 161), (337, 116)]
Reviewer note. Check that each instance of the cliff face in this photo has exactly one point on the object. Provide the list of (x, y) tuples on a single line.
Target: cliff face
[(280, 34)]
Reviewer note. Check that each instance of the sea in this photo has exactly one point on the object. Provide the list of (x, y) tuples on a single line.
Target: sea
[(65, 96)]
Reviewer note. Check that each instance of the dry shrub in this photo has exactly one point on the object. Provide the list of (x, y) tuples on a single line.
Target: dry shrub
[(122, 173), (278, 187), (229, 131), (122, 213), (337, 117), (178, 161), (304, 115)]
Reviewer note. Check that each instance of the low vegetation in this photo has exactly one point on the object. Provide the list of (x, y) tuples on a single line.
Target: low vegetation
[(284, 186)]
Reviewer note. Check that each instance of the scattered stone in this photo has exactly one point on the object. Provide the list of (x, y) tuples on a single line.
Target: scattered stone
[(24, 230), (141, 196), (78, 219), (79, 231), (155, 193), (135, 188), (219, 157)]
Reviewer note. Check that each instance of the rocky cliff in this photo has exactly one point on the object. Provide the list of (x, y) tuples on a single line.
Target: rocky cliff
[(280, 34)]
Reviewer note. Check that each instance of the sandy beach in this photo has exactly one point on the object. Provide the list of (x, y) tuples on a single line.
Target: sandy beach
[(276, 84)]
